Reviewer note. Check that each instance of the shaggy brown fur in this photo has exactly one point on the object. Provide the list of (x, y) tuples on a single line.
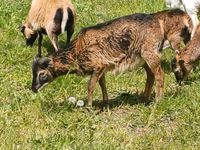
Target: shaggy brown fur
[(177, 26), (186, 59), (49, 17), (118, 45)]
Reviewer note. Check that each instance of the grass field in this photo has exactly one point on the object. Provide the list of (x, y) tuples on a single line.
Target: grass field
[(47, 121)]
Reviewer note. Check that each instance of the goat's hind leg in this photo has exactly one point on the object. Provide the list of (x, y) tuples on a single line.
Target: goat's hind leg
[(102, 83), (54, 40), (70, 32), (39, 54), (95, 77), (70, 25), (149, 83)]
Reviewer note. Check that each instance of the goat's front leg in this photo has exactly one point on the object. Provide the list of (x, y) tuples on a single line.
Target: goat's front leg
[(92, 84), (102, 83), (39, 44), (70, 32)]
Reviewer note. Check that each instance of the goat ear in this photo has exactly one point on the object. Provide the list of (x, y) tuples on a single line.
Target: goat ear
[(44, 62)]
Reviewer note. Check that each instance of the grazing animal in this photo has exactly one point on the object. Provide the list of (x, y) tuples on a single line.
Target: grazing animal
[(186, 59), (178, 27), (122, 44), (49, 17), (190, 6)]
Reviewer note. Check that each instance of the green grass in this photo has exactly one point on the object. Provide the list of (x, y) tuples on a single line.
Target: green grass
[(47, 121)]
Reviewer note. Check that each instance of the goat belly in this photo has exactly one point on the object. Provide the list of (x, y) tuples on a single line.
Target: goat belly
[(127, 64)]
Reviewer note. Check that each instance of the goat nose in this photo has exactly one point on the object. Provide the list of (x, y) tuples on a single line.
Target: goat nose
[(34, 90)]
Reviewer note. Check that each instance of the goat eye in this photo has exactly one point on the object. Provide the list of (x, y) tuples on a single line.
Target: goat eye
[(42, 76), (22, 29)]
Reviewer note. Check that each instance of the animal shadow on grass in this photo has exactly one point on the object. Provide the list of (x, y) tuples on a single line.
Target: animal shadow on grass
[(122, 99), (98, 105)]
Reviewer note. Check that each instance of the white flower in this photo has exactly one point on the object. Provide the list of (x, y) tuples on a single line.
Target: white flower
[(80, 103), (72, 100)]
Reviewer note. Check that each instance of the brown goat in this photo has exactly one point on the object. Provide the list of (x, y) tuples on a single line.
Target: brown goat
[(50, 17), (186, 59), (122, 44)]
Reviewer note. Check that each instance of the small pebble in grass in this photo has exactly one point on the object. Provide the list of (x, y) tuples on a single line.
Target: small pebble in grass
[(72, 100), (80, 103)]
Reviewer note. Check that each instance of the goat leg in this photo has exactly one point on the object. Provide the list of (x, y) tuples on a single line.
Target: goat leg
[(154, 70), (70, 32), (102, 83), (149, 82), (159, 79), (39, 44), (54, 40), (96, 76)]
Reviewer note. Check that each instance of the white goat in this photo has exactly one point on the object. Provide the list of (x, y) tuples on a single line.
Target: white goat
[(51, 17), (190, 6)]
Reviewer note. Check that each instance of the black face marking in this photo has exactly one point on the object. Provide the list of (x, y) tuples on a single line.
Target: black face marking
[(22, 29), (58, 20), (179, 74), (31, 40), (43, 31)]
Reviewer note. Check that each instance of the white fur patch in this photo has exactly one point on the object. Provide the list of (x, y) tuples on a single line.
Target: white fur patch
[(127, 65), (64, 21)]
